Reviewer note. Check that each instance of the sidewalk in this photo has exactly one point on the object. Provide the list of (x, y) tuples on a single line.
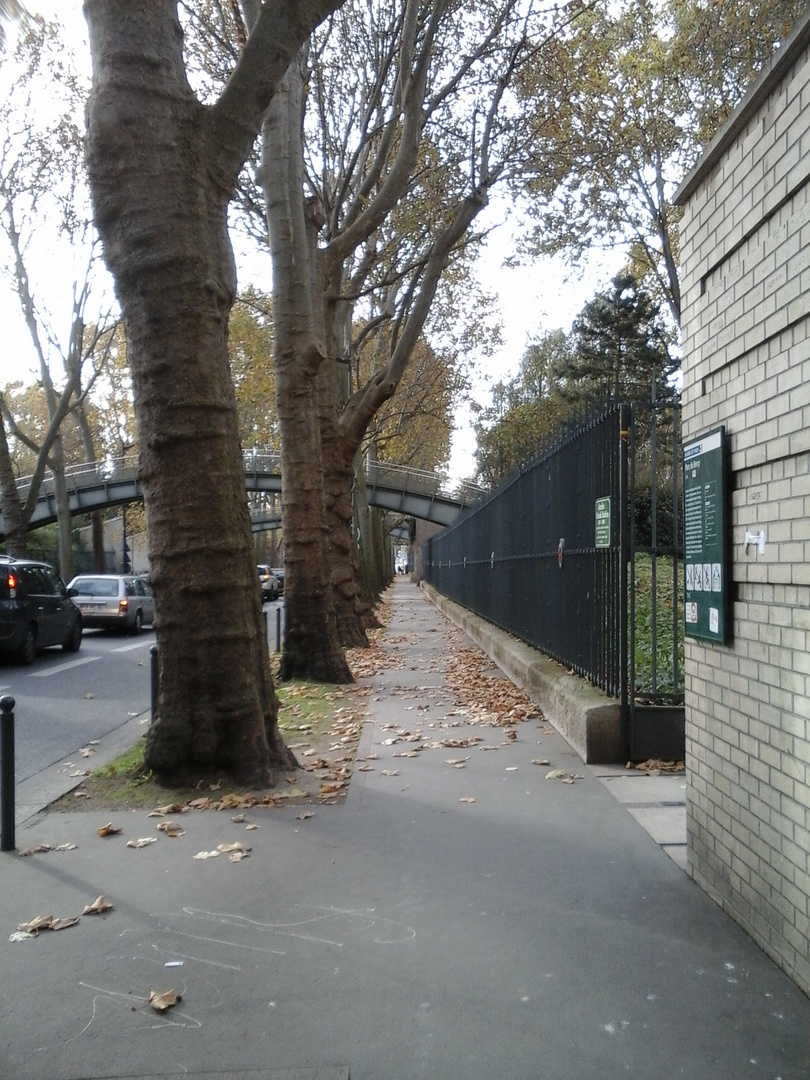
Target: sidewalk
[(536, 932)]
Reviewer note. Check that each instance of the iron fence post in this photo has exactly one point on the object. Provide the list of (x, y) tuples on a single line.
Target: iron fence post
[(7, 774), (154, 671), (625, 419)]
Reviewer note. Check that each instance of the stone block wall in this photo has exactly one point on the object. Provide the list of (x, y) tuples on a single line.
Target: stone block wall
[(745, 251)]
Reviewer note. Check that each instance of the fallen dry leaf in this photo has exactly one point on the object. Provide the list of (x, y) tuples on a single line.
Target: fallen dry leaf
[(555, 774), (171, 828), (99, 907), (206, 855), (40, 849), (33, 926), (171, 808), (142, 841), (237, 819), (457, 761), (305, 815), (237, 856), (251, 827), (235, 845), (110, 830), (390, 772), (467, 799), (540, 761), (164, 1001), (62, 924)]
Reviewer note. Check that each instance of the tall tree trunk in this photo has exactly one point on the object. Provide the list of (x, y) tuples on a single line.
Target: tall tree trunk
[(14, 520), (162, 169), (311, 646), (338, 475), (66, 564)]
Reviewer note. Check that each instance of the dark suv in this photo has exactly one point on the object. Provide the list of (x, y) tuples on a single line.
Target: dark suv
[(35, 610)]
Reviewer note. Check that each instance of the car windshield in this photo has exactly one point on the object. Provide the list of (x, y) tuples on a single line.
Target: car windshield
[(90, 586)]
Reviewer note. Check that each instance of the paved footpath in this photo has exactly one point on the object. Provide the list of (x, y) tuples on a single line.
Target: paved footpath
[(537, 932)]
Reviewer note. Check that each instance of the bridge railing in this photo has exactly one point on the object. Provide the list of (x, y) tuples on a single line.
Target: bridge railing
[(86, 472)]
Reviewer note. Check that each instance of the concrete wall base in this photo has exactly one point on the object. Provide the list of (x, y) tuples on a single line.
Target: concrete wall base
[(588, 720)]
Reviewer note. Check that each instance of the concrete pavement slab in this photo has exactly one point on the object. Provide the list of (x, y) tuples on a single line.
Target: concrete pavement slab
[(537, 931)]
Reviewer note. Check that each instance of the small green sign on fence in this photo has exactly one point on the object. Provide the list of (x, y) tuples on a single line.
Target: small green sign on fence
[(603, 522)]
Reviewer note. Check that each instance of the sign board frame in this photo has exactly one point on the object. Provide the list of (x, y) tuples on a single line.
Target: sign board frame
[(705, 538), (602, 522)]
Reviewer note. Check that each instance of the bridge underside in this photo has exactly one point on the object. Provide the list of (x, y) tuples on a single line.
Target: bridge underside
[(98, 493)]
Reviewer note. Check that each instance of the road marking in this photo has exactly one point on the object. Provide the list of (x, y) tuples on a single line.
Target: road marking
[(137, 645), (62, 667)]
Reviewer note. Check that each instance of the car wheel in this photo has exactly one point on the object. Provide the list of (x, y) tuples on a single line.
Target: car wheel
[(74, 640), (27, 652), (137, 626)]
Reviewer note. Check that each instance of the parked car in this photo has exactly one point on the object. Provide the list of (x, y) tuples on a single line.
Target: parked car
[(35, 610), (279, 572), (268, 583), (113, 601)]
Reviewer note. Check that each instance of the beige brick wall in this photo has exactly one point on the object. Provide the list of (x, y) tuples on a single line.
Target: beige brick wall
[(746, 329)]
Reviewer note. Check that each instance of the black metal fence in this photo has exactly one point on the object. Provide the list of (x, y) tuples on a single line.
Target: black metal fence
[(578, 554)]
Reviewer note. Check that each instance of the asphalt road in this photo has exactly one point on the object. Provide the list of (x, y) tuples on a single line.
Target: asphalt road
[(65, 700)]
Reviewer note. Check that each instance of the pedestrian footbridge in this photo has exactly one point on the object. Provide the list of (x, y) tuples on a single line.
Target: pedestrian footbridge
[(114, 482)]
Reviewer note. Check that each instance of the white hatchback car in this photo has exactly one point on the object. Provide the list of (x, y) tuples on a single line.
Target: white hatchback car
[(111, 601)]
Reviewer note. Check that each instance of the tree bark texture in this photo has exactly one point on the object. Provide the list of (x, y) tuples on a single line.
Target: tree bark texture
[(162, 170), (311, 646), (338, 473)]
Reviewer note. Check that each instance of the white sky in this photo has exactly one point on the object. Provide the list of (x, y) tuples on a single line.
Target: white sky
[(534, 299)]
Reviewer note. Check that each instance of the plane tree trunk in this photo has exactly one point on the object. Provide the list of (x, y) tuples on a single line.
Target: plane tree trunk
[(312, 649), (162, 170)]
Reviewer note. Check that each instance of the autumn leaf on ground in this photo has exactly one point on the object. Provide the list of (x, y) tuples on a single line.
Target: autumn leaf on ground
[(143, 841), (235, 845), (305, 815), (467, 799), (251, 827), (206, 855), (171, 808), (390, 772), (457, 761), (110, 830), (366, 768), (39, 922), (99, 907), (62, 924), (540, 761), (237, 819), (171, 828), (237, 856), (40, 849), (164, 1001), (555, 774)]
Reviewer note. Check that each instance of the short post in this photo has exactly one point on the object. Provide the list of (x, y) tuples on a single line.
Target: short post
[(155, 678), (278, 629), (7, 774)]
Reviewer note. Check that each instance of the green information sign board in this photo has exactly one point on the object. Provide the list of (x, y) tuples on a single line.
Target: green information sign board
[(704, 531), (603, 522)]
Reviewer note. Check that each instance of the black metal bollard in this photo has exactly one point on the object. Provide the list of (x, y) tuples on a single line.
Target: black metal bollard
[(7, 774), (278, 629), (155, 678)]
